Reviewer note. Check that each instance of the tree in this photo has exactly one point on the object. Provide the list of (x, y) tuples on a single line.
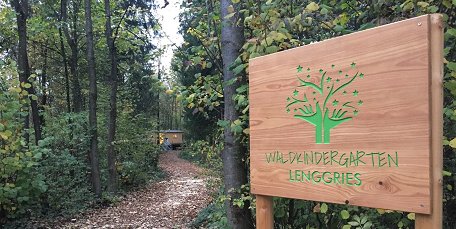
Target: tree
[(93, 153), (21, 7), (72, 38), (110, 40), (232, 39), (320, 96)]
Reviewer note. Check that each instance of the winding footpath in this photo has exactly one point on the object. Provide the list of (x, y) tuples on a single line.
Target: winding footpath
[(171, 203)]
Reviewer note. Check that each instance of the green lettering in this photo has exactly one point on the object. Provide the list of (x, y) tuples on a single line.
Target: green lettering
[(349, 178), (326, 158), (291, 177), (391, 159), (270, 157), (372, 156), (306, 176), (352, 159), (313, 177), (292, 159), (336, 178), (299, 157), (358, 179), (321, 157), (333, 155), (358, 157), (380, 159), (297, 174), (345, 163), (323, 178)]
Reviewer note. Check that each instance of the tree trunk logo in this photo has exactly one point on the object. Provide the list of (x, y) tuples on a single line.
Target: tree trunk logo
[(312, 101)]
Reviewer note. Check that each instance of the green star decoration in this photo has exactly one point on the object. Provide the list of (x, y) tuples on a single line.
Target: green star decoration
[(295, 92), (337, 80), (360, 102), (346, 75), (335, 102), (361, 75), (332, 66), (353, 64), (295, 110), (308, 69), (355, 93), (315, 99), (321, 70), (314, 92), (308, 76), (344, 93), (288, 110), (355, 112), (340, 71), (328, 79), (299, 68), (288, 99)]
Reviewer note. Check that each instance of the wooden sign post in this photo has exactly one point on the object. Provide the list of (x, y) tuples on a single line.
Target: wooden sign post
[(354, 120)]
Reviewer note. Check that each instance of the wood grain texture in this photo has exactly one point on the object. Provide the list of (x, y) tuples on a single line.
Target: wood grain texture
[(435, 219), (264, 212), (394, 117)]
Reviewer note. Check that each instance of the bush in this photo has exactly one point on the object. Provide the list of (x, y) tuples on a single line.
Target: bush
[(137, 163), (20, 185), (205, 154)]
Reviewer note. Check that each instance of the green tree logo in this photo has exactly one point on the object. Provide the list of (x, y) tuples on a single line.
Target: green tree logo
[(316, 105)]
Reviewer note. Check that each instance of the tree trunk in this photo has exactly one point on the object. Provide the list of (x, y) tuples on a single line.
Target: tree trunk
[(72, 40), (112, 180), (21, 8), (65, 68), (233, 167), (64, 57), (44, 87), (93, 154)]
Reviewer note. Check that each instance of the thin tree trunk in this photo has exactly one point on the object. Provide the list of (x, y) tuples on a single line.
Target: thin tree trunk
[(112, 180), (72, 41), (233, 167), (21, 8), (64, 57), (65, 68), (93, 154), (44, 86)]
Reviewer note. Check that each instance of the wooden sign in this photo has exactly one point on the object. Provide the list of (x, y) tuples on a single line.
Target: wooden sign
[(349, 120)]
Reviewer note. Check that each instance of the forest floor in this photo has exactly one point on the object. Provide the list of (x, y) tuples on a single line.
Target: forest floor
[(171, 203)]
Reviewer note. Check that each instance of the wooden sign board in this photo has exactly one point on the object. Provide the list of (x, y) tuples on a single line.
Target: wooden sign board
[(347, 120)]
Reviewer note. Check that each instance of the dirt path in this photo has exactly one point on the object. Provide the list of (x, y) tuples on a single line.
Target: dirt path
[(171, 203)]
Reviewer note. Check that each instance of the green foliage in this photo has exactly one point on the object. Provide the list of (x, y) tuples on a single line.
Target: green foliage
[(213, 216), (137, 155), (20, 185), (204, 153)]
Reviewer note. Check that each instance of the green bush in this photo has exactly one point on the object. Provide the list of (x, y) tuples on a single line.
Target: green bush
[(138, 161), (204, 153), (20, 185)]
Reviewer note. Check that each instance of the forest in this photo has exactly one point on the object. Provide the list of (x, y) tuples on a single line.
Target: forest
[(84, 96)]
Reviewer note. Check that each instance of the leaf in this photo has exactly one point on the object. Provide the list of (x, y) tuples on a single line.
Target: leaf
[(311, 7), (235, 1), (381, 211), (451, 66), (345, 214), (229, 15), (452, 143), (346, 227), (446, 173), (230, 9), (411, 216), (324, 208)]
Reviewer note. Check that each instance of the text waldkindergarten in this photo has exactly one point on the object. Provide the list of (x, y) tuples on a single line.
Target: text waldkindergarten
[(333, 157)]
